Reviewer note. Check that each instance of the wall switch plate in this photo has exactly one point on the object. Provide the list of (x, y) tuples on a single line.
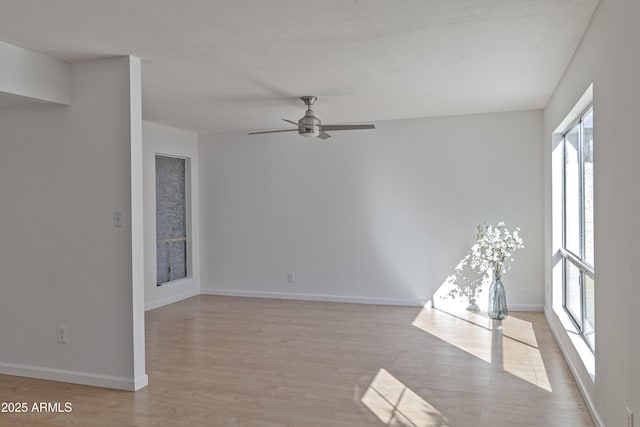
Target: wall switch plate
[(629, 417), (61, 334), (117, 218), (291, 277)]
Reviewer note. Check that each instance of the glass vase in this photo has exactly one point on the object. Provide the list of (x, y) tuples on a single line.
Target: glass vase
[(497, 300)]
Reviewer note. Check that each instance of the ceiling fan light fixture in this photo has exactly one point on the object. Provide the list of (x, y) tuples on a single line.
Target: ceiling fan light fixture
[(308, 130)]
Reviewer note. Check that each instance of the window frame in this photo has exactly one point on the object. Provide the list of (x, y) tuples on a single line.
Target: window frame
[(577, 260)]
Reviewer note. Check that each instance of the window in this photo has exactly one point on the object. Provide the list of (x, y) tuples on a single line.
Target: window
[(577, 239), (171, 219)]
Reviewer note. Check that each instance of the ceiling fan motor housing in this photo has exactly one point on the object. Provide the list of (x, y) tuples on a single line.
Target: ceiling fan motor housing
[(309, 125)]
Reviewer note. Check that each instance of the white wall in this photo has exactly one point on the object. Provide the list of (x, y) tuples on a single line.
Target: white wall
[(379, 216), (63, 171), (607, 57), (34, 75), (173, 142)]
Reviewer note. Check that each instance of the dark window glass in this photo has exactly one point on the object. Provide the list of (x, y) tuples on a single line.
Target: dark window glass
[(171, 221)]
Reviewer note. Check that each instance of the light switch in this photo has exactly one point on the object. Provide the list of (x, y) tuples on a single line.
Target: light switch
[(117, 219)]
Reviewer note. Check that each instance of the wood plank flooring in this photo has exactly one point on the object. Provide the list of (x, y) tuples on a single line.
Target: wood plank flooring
[(225, 361)]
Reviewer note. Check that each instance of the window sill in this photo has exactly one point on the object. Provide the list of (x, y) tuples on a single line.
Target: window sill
[(174, 282), (586, 356)]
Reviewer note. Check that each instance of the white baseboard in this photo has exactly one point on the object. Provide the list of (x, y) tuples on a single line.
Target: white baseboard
[(342, 298), (555, 330), (526, 307), (168, 300), (314, 297), (75, 377)]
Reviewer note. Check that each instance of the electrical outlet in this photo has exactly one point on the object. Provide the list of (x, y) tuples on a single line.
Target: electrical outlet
[(629, 417), (61, 334), (117, 218), (291, 277)]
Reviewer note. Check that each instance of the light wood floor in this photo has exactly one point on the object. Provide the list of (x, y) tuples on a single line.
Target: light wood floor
[(258, 362)]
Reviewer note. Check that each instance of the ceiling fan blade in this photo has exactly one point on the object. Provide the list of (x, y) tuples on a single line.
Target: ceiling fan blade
[(346, 127), (274, 131), (324, 135)]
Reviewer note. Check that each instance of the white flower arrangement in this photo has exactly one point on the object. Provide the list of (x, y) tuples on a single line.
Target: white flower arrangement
[(494, 248)]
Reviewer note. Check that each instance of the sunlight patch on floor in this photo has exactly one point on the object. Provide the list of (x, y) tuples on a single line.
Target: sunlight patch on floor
[(510, 344), (473, 335), (395, 404), (524, 362)]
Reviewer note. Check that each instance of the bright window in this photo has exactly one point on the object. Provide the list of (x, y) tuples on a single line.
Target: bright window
[(577, 247)]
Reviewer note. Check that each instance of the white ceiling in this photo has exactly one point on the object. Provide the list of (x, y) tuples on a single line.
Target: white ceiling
[(238, 65)]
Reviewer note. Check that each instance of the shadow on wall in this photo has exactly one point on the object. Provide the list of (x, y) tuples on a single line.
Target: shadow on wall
[(463, 287)]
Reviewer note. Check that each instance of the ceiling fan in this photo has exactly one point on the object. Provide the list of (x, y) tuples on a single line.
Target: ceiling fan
[(310, 125)]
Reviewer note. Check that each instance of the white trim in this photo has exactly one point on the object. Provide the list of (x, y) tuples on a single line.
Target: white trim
[(141, 382), (315, 297), (574, 370), (343, 298), (578, 110), (75, 377), (526, 307), (137, 218), (150, 305)]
